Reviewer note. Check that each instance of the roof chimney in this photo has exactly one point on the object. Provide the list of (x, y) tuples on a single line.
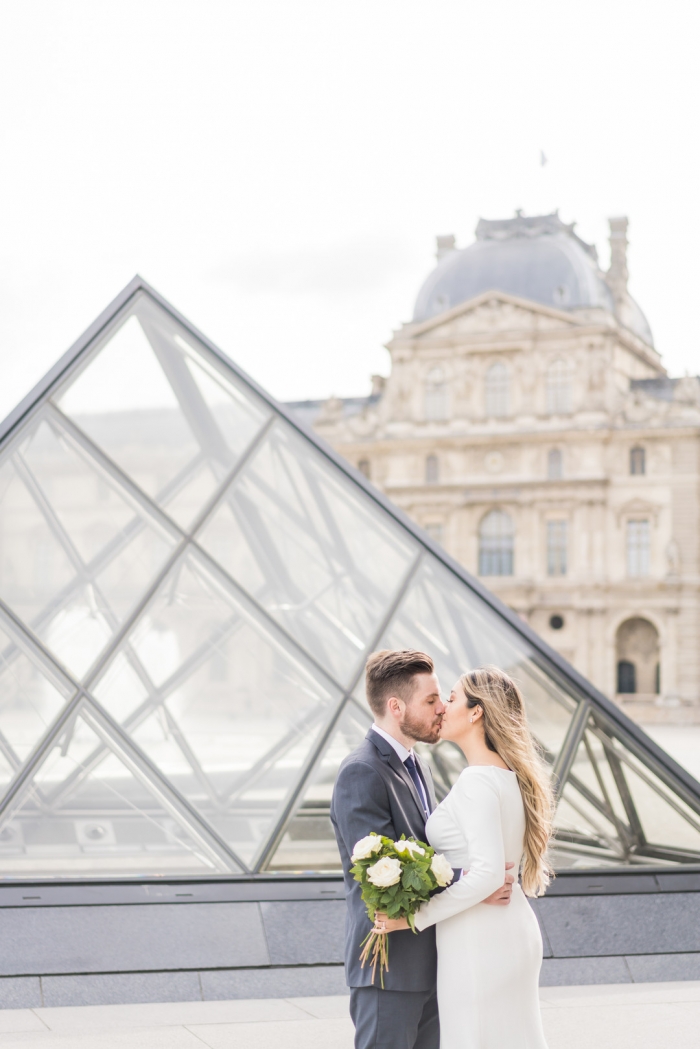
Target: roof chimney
[(618, 274), (445, 245)]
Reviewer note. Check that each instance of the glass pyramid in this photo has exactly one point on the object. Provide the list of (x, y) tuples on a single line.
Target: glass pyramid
[(190, 584)]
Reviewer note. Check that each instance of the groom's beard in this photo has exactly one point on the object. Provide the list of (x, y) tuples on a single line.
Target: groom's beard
[(418, 730)]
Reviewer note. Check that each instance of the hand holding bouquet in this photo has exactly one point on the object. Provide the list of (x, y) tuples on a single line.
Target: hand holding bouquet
[(396, 878)]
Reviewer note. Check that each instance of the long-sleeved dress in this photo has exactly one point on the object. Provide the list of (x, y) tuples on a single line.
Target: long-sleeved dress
[(489, 957)]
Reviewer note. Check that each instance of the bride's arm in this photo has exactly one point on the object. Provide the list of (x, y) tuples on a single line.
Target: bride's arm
[(478, 812)]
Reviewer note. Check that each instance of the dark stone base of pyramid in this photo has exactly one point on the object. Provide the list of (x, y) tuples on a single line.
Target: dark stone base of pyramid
[(125, 943)]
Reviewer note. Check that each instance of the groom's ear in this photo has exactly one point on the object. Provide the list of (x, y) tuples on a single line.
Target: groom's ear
[(394, 705)]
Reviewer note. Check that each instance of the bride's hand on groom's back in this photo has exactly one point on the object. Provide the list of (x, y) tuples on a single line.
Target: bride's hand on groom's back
[(383, 923), (501, 897)]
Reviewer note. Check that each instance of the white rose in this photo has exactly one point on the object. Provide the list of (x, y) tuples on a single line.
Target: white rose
[(366, 847), (385, 872), (409, 846), (442, 870)]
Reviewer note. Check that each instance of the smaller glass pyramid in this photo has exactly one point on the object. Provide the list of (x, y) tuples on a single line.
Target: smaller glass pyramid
[(190, 585)]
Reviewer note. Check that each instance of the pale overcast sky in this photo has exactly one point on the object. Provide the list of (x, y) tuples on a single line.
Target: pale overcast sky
[(279, 170)]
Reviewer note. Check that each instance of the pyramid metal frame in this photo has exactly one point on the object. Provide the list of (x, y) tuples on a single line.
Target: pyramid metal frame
[(210, 843)]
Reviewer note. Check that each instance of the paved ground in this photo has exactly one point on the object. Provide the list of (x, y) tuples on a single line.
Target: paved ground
[(655, 1016), (682, 742)]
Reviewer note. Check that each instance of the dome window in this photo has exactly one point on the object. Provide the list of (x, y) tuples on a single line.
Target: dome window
[(497, 391)]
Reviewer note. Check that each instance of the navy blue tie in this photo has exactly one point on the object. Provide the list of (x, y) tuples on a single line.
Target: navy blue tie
[(410, 765)]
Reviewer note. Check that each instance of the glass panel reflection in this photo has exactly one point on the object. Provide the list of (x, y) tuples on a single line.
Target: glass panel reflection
[(109, 823), (29, 703), (99, 551), (35, 570), (218, 703), (615, 809), (460, 632), (316, 554), (155, 402), (308, 843)]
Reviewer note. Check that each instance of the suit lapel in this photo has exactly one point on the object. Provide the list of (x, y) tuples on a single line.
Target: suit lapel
[(393, 759), (427, 775)]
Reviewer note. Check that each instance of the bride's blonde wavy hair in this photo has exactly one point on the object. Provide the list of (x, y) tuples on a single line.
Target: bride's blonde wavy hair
[(508, 734)]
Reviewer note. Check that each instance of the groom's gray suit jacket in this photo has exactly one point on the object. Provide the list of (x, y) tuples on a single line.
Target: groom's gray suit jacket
[(375, 794)]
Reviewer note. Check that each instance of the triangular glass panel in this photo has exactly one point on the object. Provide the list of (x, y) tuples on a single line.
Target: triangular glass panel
[(85, 812), (113, 546), (29, 703), (308, 842), (152, 388), (322, 561), (221, 703), (591, 825), (35, 569)]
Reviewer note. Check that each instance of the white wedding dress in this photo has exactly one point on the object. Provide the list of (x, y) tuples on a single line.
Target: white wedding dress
[(489, 957)]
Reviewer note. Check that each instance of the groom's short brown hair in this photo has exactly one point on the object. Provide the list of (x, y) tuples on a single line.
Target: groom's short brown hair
[(390, 673)]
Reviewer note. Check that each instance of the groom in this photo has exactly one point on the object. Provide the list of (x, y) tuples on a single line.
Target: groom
[(384, 788)]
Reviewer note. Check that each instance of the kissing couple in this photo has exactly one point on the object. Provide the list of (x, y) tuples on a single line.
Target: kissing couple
[(469, 978)]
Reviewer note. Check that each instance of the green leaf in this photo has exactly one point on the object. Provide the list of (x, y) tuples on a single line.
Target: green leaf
[(411, 879)]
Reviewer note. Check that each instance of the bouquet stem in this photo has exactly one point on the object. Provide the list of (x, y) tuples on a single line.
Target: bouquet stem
[(376, 952)]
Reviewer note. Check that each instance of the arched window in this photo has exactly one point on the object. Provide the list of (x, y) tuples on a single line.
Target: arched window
[(637, 461), (559, 388), (432, 469), (626, 677), (496, 544), (497, 390), (436, 396), (637, 651), (555, 468)]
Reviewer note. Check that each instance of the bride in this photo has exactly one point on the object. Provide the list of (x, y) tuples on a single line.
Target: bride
[(499, 810)]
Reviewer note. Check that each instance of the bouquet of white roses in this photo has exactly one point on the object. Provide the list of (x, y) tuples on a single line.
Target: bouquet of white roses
[(396, 878)]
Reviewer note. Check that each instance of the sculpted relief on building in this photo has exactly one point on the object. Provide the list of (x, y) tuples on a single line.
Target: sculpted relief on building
[(529, 425)]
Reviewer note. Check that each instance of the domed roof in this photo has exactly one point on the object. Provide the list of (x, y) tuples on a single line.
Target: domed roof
[(538, 258)]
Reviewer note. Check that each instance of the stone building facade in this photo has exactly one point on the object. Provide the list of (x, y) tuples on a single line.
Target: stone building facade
[(529, 425)]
